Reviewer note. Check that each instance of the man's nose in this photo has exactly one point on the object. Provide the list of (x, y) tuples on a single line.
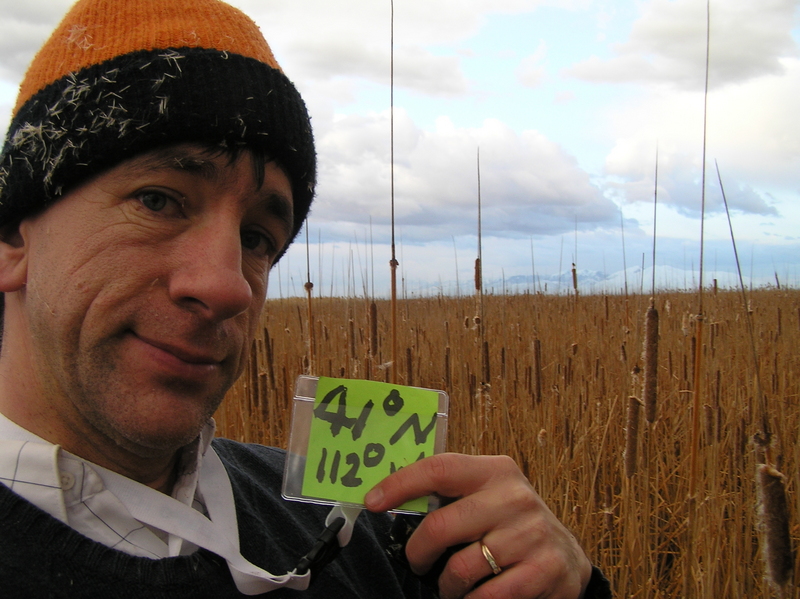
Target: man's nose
[(208, 278)]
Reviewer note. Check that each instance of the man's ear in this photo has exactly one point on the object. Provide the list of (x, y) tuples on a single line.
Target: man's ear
[(13, 259)]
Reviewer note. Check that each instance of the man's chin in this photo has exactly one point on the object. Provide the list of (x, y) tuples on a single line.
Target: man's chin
[(156, 447), (152, 438)]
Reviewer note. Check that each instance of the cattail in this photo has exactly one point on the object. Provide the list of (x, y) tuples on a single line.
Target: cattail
[(575, 279), (478, 274), (537, 370), (632, 435), (650, 386), (774, 522), (541, 438), (708, 422), (373, 329)]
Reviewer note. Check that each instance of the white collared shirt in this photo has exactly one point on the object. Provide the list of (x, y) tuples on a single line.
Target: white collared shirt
[(73, 490)]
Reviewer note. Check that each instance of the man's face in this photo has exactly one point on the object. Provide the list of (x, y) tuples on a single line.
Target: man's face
[(144, 289)]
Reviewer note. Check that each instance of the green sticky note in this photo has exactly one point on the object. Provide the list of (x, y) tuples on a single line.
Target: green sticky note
[(361, 432)]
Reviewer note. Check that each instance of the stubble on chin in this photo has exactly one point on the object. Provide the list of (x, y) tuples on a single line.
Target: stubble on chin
[(142, 420)]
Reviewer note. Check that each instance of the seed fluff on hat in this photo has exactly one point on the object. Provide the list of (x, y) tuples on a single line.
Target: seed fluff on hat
[(122, 77)]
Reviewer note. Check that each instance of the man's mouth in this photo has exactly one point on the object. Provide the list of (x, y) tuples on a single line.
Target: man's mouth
[(178, 360)]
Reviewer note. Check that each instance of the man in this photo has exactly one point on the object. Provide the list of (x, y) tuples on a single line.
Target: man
[(157, 165)]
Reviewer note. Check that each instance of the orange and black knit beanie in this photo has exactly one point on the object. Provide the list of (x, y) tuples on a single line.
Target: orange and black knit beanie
[(121, 77)]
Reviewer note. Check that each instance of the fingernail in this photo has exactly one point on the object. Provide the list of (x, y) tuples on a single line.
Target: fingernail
[(374, 497)]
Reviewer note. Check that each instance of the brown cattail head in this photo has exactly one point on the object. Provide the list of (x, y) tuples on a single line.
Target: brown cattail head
[(608, 505), (774, 522), (373, 329), (541, 438), (574, 278), (708, 424), (632, 436), (478, 276), (537, 370), (650, 385)]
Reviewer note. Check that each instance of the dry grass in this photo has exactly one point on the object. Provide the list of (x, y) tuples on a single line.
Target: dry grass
[(561, 374)]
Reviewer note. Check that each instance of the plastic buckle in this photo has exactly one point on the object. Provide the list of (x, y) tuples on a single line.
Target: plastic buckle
[(324, 550)]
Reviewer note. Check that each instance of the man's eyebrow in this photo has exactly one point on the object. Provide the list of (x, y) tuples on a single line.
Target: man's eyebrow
[(178, 160), (280, 207)]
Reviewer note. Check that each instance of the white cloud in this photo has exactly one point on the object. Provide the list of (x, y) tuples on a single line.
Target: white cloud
[(530, 71), (753, 134), (668, 44), (528, 183), (23, 28), (352, 38)]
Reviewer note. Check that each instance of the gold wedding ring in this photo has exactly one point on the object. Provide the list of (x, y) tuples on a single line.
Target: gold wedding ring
[(490, 558)]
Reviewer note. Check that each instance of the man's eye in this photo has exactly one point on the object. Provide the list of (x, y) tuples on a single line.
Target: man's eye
[(155, 200), (255, 240)]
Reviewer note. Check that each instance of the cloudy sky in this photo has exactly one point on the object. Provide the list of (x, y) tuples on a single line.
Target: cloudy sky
[(568, 103)]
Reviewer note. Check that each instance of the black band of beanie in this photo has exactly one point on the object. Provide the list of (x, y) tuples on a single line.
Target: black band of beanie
[(89, 121)]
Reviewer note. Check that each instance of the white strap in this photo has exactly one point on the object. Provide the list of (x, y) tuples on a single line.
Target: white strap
[(219, 535)]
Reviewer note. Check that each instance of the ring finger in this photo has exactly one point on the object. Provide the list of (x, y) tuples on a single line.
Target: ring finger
[(471, 567)]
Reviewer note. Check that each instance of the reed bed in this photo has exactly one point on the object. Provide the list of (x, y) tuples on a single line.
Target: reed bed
[(555, 382)]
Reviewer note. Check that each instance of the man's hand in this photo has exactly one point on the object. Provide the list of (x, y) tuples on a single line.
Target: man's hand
[(496, 506)]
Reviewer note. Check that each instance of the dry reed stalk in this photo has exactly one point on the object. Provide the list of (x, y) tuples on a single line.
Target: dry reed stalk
[(448, 385), (270, 363), (632, 435), (309, 286), (487, 376), (409, 367), (774, 522), (650, 380), (352, 337), (608, 510)]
